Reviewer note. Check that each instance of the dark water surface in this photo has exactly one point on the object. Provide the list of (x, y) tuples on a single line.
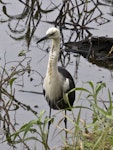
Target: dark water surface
[(38, 57)]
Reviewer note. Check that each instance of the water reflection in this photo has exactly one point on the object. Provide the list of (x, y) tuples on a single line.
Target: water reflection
[(110, 3), (73, 17), (28, 20), (70, 17)]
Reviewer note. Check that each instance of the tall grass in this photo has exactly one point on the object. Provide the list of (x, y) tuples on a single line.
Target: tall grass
[(98, 134)]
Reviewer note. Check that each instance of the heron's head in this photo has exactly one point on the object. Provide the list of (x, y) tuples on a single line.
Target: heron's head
[(52, 33)]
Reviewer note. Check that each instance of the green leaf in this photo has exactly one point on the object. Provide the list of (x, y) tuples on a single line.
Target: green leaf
[(28, 127), (99, 87), (92, 85), (78, 117), (110, 103), (11, 81), (103, 112), (81, 89), (22, 53)]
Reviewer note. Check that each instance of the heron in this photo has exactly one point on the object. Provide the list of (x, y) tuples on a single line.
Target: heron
[(58, 81)]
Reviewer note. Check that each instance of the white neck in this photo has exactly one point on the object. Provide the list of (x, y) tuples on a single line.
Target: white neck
[(52, 68)]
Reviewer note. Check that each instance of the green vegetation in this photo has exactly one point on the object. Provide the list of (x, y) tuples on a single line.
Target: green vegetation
[(98, 134)]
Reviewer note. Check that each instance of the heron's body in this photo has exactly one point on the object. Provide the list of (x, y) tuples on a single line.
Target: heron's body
[(58, 80), (57, 87)]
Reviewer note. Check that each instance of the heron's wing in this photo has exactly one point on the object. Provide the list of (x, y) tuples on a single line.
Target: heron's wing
[(67, 76), (68, 84)]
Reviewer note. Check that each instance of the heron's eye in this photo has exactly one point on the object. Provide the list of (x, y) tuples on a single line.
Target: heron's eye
[(52, 34)]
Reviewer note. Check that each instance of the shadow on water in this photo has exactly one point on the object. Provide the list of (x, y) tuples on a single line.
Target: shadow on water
[(97, 50), (70, 17), (73, 16)]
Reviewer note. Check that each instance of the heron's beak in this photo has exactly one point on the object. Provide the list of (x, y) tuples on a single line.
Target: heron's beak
[(42, 39)]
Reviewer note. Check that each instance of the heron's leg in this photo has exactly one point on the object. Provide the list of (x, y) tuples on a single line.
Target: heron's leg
[(65, 121), (49, 123)]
